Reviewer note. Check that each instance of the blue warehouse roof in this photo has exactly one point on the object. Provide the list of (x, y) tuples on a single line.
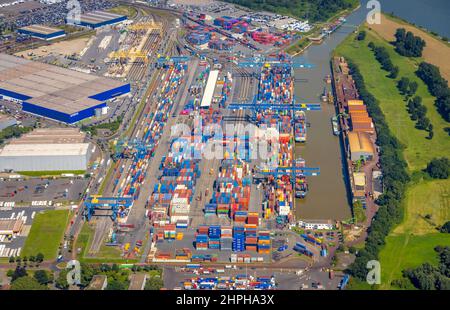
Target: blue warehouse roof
[(55, 92), (42, 32), (97, 19)]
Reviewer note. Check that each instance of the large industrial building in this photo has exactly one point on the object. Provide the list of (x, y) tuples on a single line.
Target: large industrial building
[(56, 93), (6, 121), (49, 149), (360, 146), (97, 19), (42, 32)]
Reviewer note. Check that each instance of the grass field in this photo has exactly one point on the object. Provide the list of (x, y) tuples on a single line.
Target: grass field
[(408, 251), (426, 197), (412, 242), (106, 253), (46, 234), (50, 173), (419, 150), (436, 51), (129, 11)]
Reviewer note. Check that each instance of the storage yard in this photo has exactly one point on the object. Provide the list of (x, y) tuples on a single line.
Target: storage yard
[(188, 155)]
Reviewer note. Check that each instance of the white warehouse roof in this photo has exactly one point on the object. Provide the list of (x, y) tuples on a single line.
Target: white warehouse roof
[(26, 150), (209, 89)]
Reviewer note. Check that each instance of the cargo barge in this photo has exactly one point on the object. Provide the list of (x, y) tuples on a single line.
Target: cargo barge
[(300, 126), (335, 125), (301, 185)]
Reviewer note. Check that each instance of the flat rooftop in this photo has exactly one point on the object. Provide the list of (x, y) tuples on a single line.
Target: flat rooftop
[(52, 87), (8, 226), (41, 29), (96, 17), (58, 149), (51, 136), (137, 281)]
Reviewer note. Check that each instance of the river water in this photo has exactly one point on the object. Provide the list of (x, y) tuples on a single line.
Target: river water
[(327, 197), (430, 14)]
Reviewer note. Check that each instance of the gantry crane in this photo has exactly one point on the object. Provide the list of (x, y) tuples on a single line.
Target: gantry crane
[(95, 203)]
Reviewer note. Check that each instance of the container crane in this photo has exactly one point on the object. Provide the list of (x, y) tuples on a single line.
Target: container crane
[(95, 203), (125, 148)]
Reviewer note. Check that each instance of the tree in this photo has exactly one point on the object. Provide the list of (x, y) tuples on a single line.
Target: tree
[(361, 35), (403, 85), (394, 72), (42, 277), (116, 285), (154, 283), (40, 257), (445, 228), (407, 44), (412, 88), (19, 272), (61, 280), (26, 284), (439, 168)]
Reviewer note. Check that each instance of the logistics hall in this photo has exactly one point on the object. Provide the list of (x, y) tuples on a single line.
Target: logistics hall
[(97, 19), (49, 91)]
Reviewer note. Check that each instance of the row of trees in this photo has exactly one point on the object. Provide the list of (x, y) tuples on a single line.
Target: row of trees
[(39, 258), (117, 278), (13, 132), (428, 277), (407, 44), (395, 179), (406, 87), (418, 111), (438, 87), (382, 55), (439, 168), (20, 280), (312, 10)]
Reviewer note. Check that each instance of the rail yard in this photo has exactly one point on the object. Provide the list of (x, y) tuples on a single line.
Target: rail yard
[(194, 165)]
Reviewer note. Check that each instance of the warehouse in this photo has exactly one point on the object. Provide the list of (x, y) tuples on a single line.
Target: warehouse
[(10, 226), (209, 89), (316, 224), (47, 149), (360, 146), (53, 92), (6, 121), (97, 19), (42, 32)]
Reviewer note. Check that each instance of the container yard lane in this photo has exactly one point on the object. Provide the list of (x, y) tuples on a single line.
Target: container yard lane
[(126, 179)]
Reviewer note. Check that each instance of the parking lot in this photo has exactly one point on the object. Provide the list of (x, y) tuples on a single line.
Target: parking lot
[(27, 191), (12, 245)]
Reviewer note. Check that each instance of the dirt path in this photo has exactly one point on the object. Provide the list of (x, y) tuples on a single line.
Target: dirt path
[(435, 52)]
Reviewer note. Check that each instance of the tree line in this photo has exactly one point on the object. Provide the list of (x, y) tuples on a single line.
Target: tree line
[(438, 87), (417, 111), (395, 179), (382, 55), (313, 10), (407, 44)]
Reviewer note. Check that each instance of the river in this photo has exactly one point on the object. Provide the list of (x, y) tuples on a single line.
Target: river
[(327, 197), (430, 14)]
